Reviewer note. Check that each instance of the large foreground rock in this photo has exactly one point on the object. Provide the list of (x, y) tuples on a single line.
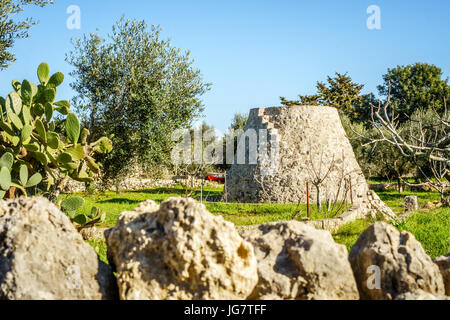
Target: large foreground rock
[(297, 261), (398, 259), (178, 250), (443, 263), (42, 256)]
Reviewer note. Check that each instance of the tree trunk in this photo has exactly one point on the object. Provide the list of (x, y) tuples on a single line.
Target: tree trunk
[(186, 185), (319, 206), (399, 185)]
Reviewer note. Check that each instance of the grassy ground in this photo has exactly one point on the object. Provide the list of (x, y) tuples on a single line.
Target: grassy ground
[(374, 180), (349, 233), (99, 247), (431, 228), (395, 200), (238, 213)]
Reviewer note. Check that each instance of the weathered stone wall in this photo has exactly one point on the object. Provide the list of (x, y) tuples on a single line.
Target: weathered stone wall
[(311, 139), (179, 250), (132, 183)]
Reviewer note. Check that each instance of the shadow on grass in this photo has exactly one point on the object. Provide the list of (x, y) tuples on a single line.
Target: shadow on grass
[(389, 196), (120, 200), (161, 190)]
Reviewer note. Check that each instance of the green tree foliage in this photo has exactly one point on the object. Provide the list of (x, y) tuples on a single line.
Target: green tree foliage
[(412, 125), (414, 87), (11, 29), (35, 152), (137, 89), (339, 92), (238, 122), (233, 133), (204, 144), (426, 127), (365, 155), (201, 150), (377, 159)]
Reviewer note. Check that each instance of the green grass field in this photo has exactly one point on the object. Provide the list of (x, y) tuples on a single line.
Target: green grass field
[(238, 213), (395, 200), (431, 228)]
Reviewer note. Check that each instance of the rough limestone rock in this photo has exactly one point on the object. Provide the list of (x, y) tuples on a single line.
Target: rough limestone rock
[(398, 259), (93, 233), (420, 295), (178, 250), (411, 203), (297, 261), (304, 142), (443, 263), (42, 256)]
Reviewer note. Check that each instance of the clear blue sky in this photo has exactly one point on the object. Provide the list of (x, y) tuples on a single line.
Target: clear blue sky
[(253, 52)]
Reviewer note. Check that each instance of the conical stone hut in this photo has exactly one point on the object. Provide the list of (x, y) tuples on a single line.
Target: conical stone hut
[(298, 146)]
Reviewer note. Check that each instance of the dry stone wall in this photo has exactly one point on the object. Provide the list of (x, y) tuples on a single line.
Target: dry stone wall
[(287, 254), (72, 186), (43, 257), (132, 183), (401, 260), (179, 250)]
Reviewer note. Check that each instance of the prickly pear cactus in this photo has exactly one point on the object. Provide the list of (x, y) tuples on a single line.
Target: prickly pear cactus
[(70, 207), (36, 153)]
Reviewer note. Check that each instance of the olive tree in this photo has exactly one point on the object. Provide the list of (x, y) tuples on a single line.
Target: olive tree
[(423, 139), (12, 28), (135, 88)]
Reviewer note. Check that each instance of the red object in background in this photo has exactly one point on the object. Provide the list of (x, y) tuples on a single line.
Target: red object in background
[(214, 178)]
